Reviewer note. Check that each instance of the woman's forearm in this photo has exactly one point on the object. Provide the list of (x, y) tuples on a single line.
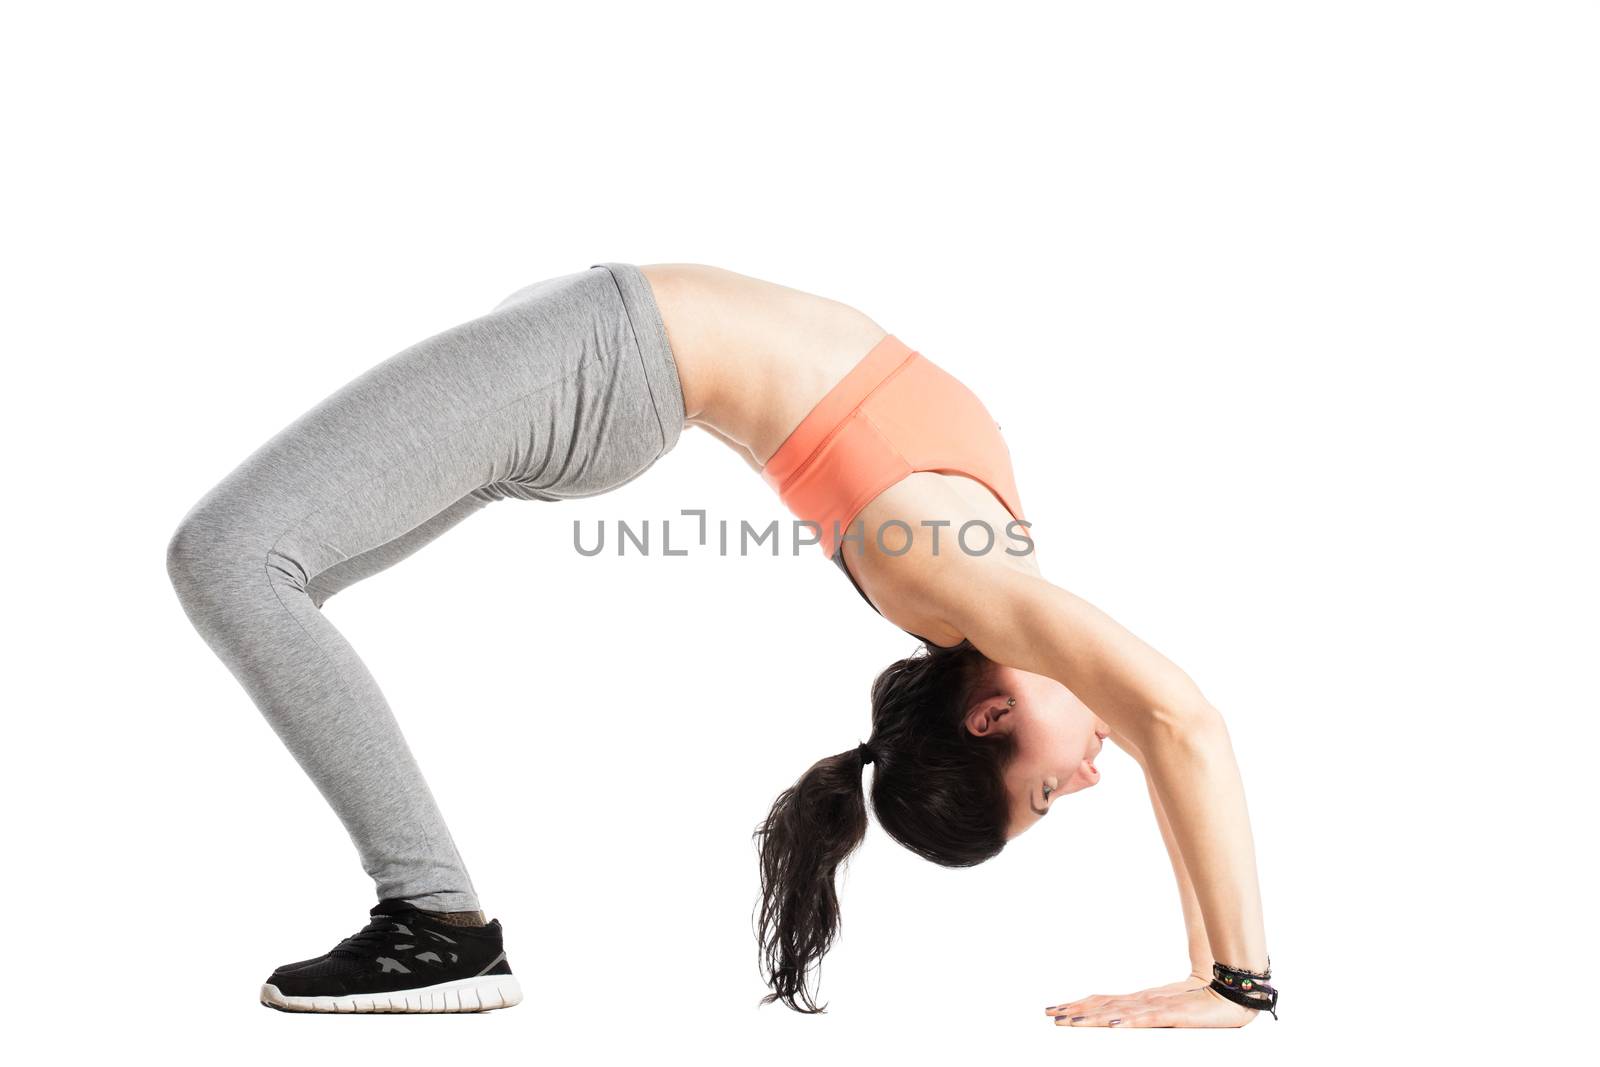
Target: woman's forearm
[(1194, 777), (1194, 922)]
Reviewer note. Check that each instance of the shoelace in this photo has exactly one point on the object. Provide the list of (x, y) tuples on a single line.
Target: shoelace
[(367, 941)]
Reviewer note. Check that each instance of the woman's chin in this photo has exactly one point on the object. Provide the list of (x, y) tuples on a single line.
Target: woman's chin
[(1085, 776)]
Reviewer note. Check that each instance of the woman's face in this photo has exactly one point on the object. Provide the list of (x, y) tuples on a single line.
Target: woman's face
[(1057, 738)]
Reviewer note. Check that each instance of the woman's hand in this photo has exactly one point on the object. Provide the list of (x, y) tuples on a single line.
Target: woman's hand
[(1099, 1000), (1189, 1002)]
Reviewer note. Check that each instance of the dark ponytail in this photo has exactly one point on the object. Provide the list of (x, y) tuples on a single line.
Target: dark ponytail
[(813, 826), (937, 790)]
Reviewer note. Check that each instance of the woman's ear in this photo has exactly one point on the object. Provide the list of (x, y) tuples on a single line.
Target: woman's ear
[(992, 715)]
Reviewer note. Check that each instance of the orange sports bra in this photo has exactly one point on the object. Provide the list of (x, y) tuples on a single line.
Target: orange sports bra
[(893, 414)]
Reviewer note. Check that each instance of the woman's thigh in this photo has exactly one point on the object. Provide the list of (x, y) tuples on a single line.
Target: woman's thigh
[(542, 398)]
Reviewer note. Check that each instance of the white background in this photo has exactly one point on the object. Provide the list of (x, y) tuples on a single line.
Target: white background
[(1289, 314)]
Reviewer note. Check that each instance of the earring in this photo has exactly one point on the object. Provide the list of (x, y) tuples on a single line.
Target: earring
[(1011, 702)]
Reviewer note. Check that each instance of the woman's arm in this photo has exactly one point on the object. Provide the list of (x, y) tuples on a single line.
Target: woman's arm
[(1026, 622), (1194, 922)]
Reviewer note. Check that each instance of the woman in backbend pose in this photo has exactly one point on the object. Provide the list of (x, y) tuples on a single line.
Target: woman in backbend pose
[(578, 384)]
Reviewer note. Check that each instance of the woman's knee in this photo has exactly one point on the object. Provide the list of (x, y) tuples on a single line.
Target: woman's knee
[(216, 556), (191, 552)]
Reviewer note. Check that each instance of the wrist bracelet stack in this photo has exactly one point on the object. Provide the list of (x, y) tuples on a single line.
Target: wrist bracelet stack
[(1246, 988)]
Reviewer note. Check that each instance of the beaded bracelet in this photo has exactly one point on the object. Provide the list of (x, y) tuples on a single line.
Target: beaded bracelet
[(1246, 988)]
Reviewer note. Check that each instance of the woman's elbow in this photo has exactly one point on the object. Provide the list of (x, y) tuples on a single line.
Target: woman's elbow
[(1184, 722)]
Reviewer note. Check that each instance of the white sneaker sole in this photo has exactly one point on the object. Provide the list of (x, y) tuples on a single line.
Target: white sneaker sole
[(484, 993)]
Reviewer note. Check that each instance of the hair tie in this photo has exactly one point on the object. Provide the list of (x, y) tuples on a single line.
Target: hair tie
[(866, 754)]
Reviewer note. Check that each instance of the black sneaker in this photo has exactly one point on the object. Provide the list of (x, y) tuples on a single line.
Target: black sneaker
[(405, 960)]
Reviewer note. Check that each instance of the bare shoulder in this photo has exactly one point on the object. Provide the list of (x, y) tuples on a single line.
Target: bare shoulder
[(1024, 621), (932, 545)]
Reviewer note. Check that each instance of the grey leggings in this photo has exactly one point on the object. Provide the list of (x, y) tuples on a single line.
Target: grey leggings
[(567, 388)]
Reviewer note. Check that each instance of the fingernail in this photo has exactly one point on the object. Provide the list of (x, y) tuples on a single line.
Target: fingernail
[(1113, 1022), (1077, 1018)]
